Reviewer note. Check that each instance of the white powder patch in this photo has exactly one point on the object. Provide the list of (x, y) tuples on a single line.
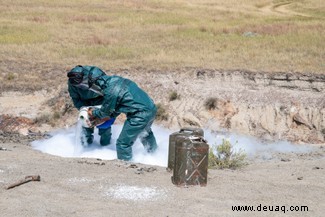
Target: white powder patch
[(66, 143), (76, 180), (253, 147), (2, 171), (135, 193)]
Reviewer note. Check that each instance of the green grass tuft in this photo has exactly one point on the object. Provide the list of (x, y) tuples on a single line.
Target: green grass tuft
[(223, 156)]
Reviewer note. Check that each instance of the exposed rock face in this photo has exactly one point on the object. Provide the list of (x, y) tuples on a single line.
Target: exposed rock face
[(278, 122), (288, 106)]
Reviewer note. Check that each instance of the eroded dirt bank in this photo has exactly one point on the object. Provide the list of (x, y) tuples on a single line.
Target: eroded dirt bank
[(266, 105), (271, 106)]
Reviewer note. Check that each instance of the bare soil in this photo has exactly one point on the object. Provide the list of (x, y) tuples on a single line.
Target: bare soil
[(92, 187), (283, 106)]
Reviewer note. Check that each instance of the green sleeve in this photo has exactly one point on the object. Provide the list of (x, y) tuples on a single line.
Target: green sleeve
[(109, 104), (77, 102)]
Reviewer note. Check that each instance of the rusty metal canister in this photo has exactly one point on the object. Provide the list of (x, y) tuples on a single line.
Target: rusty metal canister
[(191, 161), (184, 132)]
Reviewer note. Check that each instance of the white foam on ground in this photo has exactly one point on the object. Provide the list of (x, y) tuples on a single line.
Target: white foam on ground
[(252, 146), (63, 143)]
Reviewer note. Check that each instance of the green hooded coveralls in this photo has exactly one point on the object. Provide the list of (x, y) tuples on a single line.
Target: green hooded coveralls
[(82, 97), (122, 95)]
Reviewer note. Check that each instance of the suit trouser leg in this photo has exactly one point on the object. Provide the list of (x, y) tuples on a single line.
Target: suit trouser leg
[(88, 133), (148, 138), (105, 136), (132, 128)]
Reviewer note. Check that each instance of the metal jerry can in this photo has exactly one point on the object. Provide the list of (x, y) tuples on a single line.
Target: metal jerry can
[(184, 132), (191, 161)]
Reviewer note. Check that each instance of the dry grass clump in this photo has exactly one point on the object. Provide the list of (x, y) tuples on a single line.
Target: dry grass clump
[(10, 76), (162, 114), (50, 118), (174, 96), (211, 103), (44, 118)]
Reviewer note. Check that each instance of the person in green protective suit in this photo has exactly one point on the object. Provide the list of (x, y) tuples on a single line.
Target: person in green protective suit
[(83, 96), (122, 95)]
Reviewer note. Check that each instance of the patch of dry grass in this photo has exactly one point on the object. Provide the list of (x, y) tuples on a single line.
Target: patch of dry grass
[(234, 34)]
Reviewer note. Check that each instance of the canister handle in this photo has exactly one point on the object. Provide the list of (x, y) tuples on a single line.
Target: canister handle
[(197, 139), (190, 129)]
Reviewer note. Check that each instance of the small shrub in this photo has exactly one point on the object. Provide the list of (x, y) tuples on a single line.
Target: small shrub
[(48, 118), (223, 156), (161, 113), (56, 115), (323, 131), (210, 103), (43, 118), (173, 96), (10, 76)]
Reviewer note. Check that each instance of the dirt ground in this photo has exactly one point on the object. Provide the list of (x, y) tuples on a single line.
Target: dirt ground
[(93, 187), (291, 184)]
